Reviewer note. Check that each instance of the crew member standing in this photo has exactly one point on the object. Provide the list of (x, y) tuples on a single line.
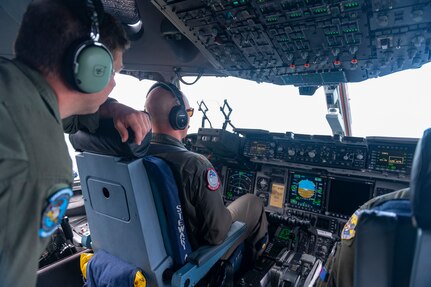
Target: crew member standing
[(52, 77)]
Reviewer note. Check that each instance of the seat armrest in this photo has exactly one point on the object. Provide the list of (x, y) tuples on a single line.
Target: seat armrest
[(202, 254)]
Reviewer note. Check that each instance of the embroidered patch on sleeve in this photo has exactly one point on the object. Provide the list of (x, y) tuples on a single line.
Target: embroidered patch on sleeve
[(54, 211), (213, 181), (349, 228)]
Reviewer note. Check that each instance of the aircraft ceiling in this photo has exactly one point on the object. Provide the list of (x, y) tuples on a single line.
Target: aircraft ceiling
[(305, 43)]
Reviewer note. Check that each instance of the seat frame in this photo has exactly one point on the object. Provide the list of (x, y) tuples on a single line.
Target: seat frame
[(123, 220)]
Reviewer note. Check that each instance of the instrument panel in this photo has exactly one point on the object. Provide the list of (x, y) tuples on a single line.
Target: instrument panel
[(305, 43), (392, 157), (313, 204), (310, 185), (323, 177), (317, 192)]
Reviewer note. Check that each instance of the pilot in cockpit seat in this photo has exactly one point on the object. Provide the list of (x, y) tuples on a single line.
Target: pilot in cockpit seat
[(413, 203), (207, 218), (339, 268)]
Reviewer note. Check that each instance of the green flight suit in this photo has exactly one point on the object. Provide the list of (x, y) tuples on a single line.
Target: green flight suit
[(88, 122), (339, 264), (34, 164), (207, 218)]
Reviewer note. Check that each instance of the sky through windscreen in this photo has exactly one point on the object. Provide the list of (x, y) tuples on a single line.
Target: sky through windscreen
[(396, 105)]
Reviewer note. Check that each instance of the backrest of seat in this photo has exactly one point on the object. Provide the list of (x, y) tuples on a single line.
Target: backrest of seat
[(134, 211), (384, 241), (420, 183), (168, 204), (420, 186), (121, 212), (385, 244)]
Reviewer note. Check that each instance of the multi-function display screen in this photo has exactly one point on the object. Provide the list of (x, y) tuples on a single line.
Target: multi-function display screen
[(283, 233), (239, 182), (345, 196), (391, 158), (277, 195), (306, 191), (258, 148)]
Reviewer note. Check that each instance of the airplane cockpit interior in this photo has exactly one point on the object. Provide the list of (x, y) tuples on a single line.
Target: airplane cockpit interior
[(309, 184)]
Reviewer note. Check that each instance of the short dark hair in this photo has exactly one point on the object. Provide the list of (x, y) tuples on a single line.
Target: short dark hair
[(50, 27)]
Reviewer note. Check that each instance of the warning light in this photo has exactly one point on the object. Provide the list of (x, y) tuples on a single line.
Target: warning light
[(350, 30), (292, 66), (295, 15), (306, 65), (351, 5), (354, 61), (271, 19), (337, 62), (319, 11)]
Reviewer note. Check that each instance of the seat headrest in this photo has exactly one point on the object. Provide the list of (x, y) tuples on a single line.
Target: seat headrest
[(106, 140), (420, 183)]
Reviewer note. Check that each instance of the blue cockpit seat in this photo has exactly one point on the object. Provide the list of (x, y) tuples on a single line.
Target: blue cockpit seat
[(420, 186), (134, 213), (385, 242), (393, 240)]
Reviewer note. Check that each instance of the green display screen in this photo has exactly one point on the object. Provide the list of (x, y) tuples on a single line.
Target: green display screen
[(284, 233)]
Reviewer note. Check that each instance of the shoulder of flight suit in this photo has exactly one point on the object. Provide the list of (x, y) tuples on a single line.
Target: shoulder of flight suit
[(210, 207), (13, 155), (205, 176), (198, 159), (338, 270), (89, 122), (351, 224), (195, 167), (399, 194), (11, 142)]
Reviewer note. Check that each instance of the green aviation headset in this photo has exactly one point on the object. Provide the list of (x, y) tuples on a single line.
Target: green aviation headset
[(178, 117), (89, 64)]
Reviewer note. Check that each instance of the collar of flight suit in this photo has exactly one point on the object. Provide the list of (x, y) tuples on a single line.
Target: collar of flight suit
[(166, 139)]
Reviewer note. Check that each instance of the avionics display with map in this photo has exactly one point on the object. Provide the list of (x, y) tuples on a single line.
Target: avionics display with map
[(239, 182), (306, 191)]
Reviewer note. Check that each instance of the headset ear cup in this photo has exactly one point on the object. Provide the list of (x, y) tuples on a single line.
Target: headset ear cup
[(178, 118), (90, 66)]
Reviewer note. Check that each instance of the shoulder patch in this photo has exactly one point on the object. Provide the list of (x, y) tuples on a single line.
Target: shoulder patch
[(54, 211), (349, 228), (213, 181)]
